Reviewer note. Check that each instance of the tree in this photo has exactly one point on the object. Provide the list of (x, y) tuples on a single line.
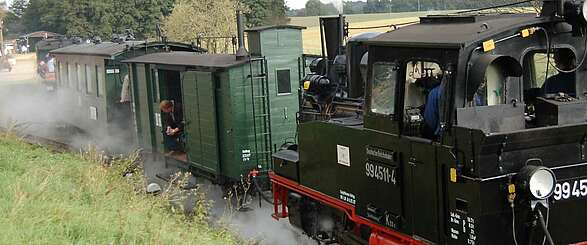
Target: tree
[(317, 8), (87, 18), (265, 12), (18, 7), (191, 18)]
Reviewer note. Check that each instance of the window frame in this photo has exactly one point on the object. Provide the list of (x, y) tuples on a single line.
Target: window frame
[(290, 90), (397, 67), (88, 79), (155, 85), (100, 81), (70, 75), (79, 76)]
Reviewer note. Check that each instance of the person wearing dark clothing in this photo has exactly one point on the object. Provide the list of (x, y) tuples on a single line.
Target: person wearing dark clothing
[(563, 82), (172, 119), (560, 83), (432, 113)]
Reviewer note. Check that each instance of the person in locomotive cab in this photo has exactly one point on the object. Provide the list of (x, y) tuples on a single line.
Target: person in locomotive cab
[(172, 118), (431, 115), (563, 82)]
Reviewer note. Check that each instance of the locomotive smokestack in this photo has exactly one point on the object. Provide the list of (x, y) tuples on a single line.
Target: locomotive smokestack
[(241, 52), (333, 35)]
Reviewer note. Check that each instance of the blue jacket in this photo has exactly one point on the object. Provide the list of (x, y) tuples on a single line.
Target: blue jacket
[(432, 109)]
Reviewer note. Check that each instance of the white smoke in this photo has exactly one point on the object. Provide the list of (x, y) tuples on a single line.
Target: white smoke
[(255, 224), (338, 4)]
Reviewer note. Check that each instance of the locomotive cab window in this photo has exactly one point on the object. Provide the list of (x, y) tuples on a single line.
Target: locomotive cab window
[(283, 82), (489, 108), (383, 89), (491, 90), (422, 96), (543, 77)]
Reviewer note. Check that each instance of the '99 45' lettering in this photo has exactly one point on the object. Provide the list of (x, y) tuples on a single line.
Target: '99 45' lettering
[(381, 173)]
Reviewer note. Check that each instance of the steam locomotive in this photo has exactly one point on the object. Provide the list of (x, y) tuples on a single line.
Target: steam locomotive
[(471, 130)]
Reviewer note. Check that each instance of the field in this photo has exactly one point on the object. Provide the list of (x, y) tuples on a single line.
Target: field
[(60, 198), (311, 35)]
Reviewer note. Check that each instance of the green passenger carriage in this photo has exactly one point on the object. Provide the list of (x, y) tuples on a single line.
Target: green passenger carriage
[(237, 109), (90, 79)]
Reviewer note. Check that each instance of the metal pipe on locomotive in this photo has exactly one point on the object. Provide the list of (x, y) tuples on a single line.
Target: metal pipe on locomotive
[(503, 161)]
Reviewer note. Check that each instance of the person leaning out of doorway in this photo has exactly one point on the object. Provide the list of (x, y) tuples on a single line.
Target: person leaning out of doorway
[(172, 118)]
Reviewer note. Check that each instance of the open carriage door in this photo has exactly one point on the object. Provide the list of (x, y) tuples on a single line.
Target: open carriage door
[(199, 105)]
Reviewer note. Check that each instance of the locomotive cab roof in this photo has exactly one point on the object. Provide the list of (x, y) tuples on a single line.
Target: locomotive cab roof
[(453, 31)]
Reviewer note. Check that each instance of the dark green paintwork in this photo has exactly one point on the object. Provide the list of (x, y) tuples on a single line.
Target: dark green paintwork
[(218, 106), (200, 117)]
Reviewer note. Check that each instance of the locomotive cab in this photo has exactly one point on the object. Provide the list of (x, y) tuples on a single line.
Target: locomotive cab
[(468, 136)]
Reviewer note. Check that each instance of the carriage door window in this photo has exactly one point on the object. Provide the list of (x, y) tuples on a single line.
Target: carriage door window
[(384, 88), (89, 87), (283, 82)]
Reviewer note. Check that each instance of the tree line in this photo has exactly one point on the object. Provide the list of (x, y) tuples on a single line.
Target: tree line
[(90, 18), (317, 8), (183, 20)]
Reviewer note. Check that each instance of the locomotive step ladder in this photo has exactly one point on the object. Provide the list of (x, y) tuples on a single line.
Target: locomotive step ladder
[(261, 112)]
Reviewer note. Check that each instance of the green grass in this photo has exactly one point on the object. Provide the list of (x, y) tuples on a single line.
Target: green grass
[(59, 198)]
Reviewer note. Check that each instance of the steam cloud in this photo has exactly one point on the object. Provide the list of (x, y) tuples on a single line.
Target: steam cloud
[(338, 4), (45, 113)]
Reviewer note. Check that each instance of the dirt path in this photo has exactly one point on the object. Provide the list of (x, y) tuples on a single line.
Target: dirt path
[(23, 72)]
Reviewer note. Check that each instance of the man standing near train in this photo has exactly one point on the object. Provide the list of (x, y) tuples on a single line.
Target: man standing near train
[(172, 118)]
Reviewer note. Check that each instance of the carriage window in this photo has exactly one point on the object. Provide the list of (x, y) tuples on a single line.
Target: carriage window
[(58, 72), (155, 86), (384, 88), (80, 76), (100, 87), (283, 81), (63, 76), (71, 75), (89, 87)]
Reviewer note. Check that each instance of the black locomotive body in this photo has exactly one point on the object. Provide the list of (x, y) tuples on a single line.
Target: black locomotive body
[(503, 163)]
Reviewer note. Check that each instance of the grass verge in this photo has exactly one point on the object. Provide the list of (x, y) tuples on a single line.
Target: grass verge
[(65, 198)]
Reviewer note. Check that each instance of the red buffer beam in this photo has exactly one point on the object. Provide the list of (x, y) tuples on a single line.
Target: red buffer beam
[(380, 235)]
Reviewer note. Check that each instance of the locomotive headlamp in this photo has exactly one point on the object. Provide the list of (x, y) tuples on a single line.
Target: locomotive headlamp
[(538, 181)]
